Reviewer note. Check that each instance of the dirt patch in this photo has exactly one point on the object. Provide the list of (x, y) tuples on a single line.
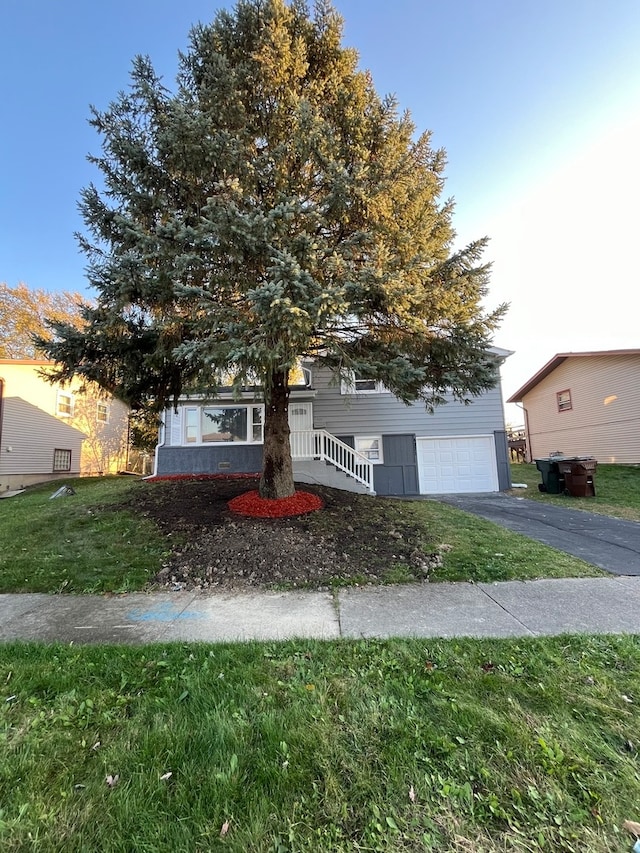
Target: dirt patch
[(354, 539)]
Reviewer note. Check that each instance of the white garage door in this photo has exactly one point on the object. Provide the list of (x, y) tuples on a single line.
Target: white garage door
[(456, 465)]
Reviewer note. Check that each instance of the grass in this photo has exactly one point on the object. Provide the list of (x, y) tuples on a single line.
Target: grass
[(77, 543), (483, 552), (617, 490), (88, 543), (391, 746)]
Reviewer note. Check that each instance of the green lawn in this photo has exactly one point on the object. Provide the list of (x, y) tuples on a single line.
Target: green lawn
[(617, 490), (482, 552), (88, 543), (77, 543), (306, 746)]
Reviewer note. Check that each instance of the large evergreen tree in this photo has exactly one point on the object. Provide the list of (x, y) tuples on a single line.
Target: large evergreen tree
[(272, 207)]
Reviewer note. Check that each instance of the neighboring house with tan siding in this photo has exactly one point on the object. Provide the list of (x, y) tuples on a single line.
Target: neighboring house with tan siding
[(48, 432), (584, 404)]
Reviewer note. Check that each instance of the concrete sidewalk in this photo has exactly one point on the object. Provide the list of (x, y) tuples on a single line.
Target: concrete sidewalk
[(510, 609)]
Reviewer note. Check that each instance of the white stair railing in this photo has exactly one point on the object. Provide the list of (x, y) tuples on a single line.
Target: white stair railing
[(320, 444)]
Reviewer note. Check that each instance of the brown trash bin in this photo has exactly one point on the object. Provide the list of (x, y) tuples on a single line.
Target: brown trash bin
[(578, 476)]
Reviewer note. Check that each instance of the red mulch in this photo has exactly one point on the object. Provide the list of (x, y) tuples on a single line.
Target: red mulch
[(251, 504)]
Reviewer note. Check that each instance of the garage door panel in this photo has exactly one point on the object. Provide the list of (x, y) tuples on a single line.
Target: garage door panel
[(457, 465)]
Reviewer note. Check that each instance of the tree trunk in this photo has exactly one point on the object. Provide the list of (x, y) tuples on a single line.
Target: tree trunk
[(277, 469)]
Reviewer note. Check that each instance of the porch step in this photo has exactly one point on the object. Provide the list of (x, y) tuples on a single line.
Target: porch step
[(322, 474)]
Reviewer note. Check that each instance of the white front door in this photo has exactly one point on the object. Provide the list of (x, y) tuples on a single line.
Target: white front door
[(457, 465), (300, 416)]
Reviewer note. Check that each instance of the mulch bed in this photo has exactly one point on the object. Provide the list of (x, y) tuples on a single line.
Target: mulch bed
[(352, 539), (252, 505)]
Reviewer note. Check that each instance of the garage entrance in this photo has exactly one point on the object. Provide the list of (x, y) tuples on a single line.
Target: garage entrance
[(457, 465)]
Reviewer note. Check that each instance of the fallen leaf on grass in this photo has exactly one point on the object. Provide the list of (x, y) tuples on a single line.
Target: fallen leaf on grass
[(112, 781), (96, 745), (166, 776), (224, 829), (412, 794), (632, 827)]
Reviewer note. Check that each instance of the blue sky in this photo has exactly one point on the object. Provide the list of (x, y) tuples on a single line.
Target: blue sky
[(536, 103)]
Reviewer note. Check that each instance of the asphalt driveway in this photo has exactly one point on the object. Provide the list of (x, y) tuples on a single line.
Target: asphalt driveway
[(609, 543)]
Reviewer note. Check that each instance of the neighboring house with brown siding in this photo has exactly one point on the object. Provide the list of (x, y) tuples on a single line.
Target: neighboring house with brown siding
[(52, 431), (584, 404)]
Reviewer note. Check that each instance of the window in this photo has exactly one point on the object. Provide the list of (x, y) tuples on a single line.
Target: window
[(564, 401), (223, 424), (370, 446), (64, 407), (191, 426), (257, 425), (355, 383), (102, 413), (61, 460)]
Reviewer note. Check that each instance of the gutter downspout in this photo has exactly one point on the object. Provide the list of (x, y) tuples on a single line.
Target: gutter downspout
[(526, 429), (161, 440)]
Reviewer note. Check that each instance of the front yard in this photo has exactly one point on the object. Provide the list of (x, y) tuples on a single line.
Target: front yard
[(302, 746), (121, 534), (396, 746)]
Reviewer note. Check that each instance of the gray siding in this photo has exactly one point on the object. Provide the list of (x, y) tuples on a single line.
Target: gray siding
[(502, 460), (398, 475), (384, 414), (242, 459), (33, 435)]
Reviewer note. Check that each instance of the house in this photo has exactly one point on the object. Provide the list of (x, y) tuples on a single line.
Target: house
[(584, 404), (52, 431), (356, 436)]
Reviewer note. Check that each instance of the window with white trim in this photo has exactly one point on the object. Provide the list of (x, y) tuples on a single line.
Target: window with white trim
[(190, 426), (61, 460), (355, 383), (563, 399), (64, 405), (223, 424), (102, 413), (369, 446)]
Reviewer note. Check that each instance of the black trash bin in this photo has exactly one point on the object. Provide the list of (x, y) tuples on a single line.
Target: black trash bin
[(578, 473), (552, 479)]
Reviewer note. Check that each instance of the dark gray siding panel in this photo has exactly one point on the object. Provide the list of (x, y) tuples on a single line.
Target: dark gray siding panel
[(502, 460), (245, 459), (399, 473)]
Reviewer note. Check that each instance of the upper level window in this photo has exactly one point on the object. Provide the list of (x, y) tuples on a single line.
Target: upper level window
[(564, 400), (102, 413), (355, 383), (64, 405)]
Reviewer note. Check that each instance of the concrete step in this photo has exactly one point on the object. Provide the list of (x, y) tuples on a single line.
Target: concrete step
[(319, 473)]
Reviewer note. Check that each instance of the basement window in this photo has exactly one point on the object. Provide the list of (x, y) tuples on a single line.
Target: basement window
[(564, 401), (370, 446), (61, 460)]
